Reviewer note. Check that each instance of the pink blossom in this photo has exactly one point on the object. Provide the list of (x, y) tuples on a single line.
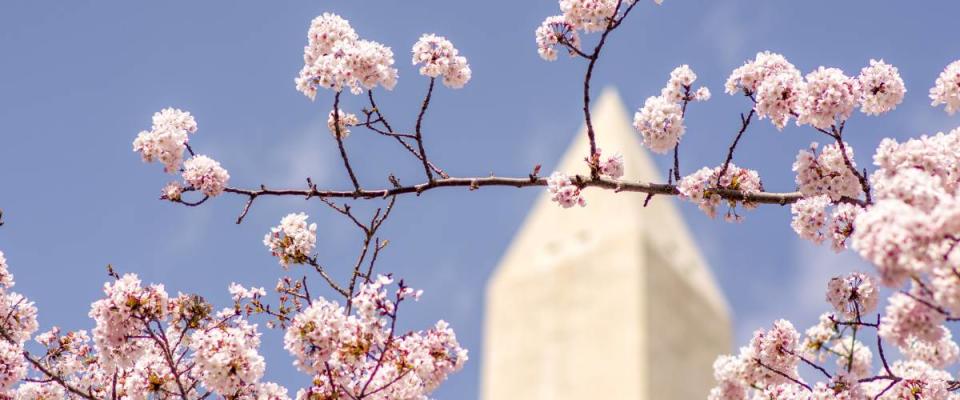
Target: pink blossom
[(206, 175), (946, 90), (853, 295), (563, 191), (826, 173), (551, 33), (882, 88), (828, 96), (437, 57), (293, 240), (700, 188)]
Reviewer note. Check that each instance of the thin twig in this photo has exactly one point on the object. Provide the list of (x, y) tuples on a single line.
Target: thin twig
[(744, 123), (383, 120), (337, 135), (419, 132)]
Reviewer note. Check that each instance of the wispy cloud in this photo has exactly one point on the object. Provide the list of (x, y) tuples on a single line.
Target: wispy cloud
[(300, 156), (724, 32)]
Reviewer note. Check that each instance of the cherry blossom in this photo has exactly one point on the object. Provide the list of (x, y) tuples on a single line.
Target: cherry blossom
[(809, 215), (828, 96), (172, 191), (563, 191), (610, 165), (777, 347), (882, 88), (908, 317), (40, 391), (853, 295), (359, 355), (437, 57), (553, 32), (919, 381), (167, 139), (749, 77), (946, 90), (778, 95), (660, 122), (701, 187), (122, 314), (589, 15), (227, 356), (840, 226), (826, 173), (818, 337), (293, 240), (12, 366), (335, 57), (938, 354), (681, 78), (345, 120), (239, 292), (205, 174)]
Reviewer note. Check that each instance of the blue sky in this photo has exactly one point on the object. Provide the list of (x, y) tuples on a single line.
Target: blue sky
[(80, 79)]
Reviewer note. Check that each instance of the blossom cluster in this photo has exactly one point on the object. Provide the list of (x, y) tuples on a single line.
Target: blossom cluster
[(227, 357), (946, 90), (123, 314), (167, 139), (344, 119), (359, 354), (205, 174), (563, 191), (567, 193), (148, 345), (17, 326), (437, 57), (577, 15), (335, 57), (767, 367), (812, 221), (822, 97), (881, 88), (293, 240), (701, 187), (166, 142), (825, 180), (827, 173), (854, 294), (610, 165), (554, 31), (911, 228), (660, 120), (909, 232)]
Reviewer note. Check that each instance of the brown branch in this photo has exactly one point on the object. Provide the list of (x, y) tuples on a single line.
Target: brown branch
[(56, 378), (46, 372), (883, 357), (419, 133), (744, 123), (782, 198), (323, 273), (399, 137), (783, 374), (864, 181), (613, 23), (343, 151), (810, 363)]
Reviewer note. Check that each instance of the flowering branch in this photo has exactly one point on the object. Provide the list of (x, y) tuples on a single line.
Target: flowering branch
[(903, 218)]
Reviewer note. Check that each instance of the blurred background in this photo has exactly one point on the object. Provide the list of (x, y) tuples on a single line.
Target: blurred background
[(79, 80)]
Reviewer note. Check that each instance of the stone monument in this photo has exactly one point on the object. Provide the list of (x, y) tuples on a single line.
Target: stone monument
[(610, 301)]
